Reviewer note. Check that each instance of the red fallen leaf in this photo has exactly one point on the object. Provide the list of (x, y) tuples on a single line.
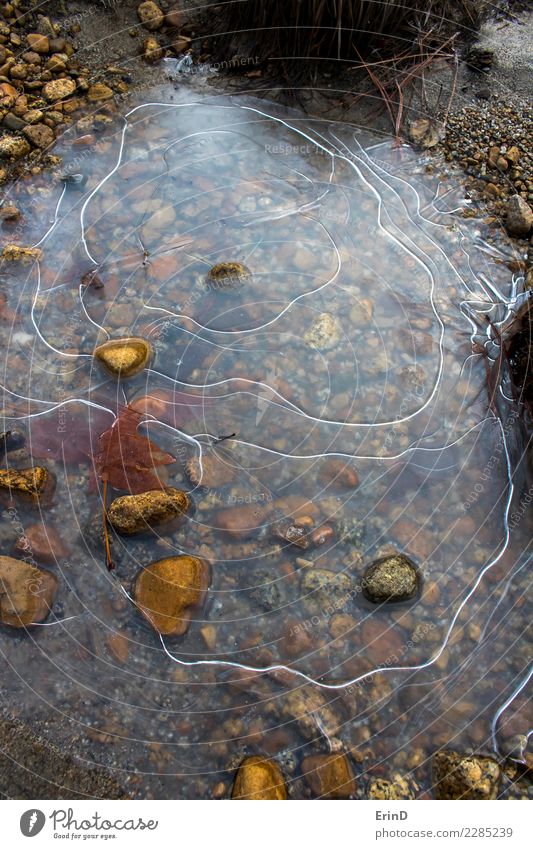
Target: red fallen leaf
[(126, 459), (67, 435)]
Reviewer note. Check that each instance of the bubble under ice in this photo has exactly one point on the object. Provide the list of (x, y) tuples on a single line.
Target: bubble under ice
[(326, 227)]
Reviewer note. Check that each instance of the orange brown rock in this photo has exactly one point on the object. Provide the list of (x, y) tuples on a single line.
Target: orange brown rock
[(169, 591), (329, 776), (259, 779), (26, 592)]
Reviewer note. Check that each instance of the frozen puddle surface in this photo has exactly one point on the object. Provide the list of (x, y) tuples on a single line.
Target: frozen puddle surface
[(348, 370)]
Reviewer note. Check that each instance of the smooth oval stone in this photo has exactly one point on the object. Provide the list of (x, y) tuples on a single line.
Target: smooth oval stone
[(228, 275), (392, 578), (26, 592), (168, 591), (259, 778), (131, 514), (329, 776), (124, 357)]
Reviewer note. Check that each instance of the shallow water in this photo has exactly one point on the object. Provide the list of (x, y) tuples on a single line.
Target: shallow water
[(397, 397)]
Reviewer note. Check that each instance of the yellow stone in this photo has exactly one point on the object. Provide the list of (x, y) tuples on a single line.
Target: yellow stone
[(26, 592), (168, 591), (259, 778), (124, 357), (29, 481), (17, 253), (131, 514), (99, 91)]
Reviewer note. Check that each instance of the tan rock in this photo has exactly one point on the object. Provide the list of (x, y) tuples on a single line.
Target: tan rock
[(426, 132), (59, 89), (18, 253), (13, 147), (124, 357), (392, 578), (399, 788), (150, 15), (40, 135), (457, 776), (519, 220), (26, 592), (37, 42), (214, 470), (329, 776), (169, 591), (325, 332), (99, 91), (152, 50), (31, 481), (9, 212), (43, 543), (132, 514), (260, 779)]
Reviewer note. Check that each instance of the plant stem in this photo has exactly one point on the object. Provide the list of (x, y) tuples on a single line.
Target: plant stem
[(109, 560)]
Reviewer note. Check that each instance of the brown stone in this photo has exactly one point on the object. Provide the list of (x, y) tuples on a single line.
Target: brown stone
[(150, 15), (519, 220), (242, 521), (9, 212), (227, 275), (37, 42), (337, 473), (43, 543), (124, 357), (26, 592), (132, 514), (180, 44), (174, 18), (169, 591), (7, 90), (40, 135), (329, 776), (260, 779)]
